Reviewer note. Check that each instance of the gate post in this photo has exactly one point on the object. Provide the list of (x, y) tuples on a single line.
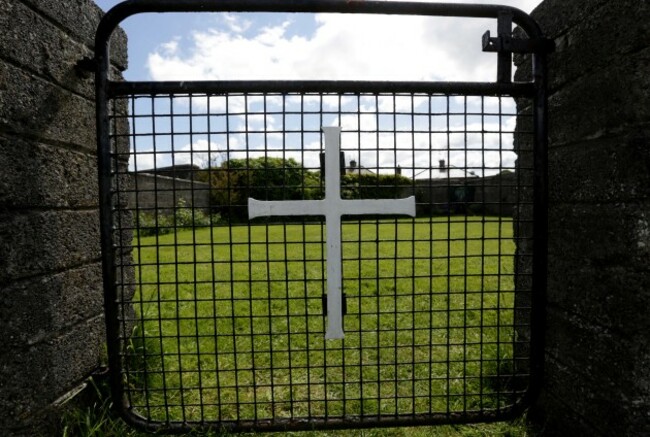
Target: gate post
[(596, 357), (51, 314)]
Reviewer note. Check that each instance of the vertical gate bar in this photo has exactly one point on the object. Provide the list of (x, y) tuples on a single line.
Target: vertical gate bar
[(304, 252), (293, 386), (269, 267), (499, 257), (120, 247), (213, 265), (463, 207), (540, 222), (504, 62), (414, 294), (168, 227), (483, 274), (288, 297), (323, 271), (102, 58), (195, 285), (448, 278), (175, 229), (266, 283), (231, 253), (138, 248), (430, 280)]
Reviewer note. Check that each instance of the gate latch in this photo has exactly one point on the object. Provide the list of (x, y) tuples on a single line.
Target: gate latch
[(505, 45)]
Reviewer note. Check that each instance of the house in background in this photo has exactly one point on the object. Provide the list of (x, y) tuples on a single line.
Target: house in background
[(355, 168)]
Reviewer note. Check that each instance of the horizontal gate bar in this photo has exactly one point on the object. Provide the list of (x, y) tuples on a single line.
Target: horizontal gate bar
[(334, 423), (117, 89), (132, 7)]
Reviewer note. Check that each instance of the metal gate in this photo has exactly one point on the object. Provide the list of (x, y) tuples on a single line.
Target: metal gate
[(324, 254)]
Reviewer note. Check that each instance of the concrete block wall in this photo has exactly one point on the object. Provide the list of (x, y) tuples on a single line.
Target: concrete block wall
[(51, 304), (597, 357)]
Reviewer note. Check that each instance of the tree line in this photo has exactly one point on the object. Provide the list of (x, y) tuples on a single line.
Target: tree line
[(234, 181)]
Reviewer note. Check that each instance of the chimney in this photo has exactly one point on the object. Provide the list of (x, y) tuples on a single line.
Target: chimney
[(443, 166)]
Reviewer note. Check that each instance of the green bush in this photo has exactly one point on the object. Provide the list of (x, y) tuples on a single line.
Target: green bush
[(154, 224), (265, 178), (183, 217)]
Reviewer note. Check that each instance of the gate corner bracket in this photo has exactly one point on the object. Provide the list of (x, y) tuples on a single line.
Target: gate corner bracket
[(86, 66)]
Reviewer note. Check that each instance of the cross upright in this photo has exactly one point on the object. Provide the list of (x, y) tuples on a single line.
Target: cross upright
[(332, 207)]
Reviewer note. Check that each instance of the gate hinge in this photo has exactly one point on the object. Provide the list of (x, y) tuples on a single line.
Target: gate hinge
[(509, 44)]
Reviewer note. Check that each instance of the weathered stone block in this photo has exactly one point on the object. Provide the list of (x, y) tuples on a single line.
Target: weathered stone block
[(33, 309), (602, 234), (578, 112), (80, 19), (598, 263), (31, 106), (611, 169), (32, 378), (594, 36), (556, 17), (33, 43), (596, 351), (37, 175), (567, 406), (36, 242), (580, 287), (613, 396)]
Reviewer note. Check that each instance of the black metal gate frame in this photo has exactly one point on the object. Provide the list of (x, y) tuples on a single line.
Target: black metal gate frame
[(504, 44)]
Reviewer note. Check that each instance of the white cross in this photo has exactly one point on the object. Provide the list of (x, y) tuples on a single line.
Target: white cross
[(332, 207)]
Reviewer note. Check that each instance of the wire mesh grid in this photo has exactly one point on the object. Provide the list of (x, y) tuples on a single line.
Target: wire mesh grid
[(227, 320)]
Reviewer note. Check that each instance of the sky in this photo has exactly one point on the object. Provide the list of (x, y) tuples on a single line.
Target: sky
[(308, 46)]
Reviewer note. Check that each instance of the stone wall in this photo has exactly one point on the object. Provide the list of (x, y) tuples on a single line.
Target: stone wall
[(150, 193), (51, 304), (597, 360), (492, 195)]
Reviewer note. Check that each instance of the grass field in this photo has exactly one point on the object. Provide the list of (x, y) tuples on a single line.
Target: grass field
[(230, 324)]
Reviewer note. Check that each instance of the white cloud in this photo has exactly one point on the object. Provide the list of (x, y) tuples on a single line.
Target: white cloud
[(202, 153), (341, 46), (236, 25)]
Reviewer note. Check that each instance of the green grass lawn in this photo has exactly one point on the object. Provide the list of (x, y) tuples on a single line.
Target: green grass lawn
[(230, 322)]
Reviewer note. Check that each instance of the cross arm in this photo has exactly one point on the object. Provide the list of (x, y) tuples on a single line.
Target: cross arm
[(380, 206), (266, 208)]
